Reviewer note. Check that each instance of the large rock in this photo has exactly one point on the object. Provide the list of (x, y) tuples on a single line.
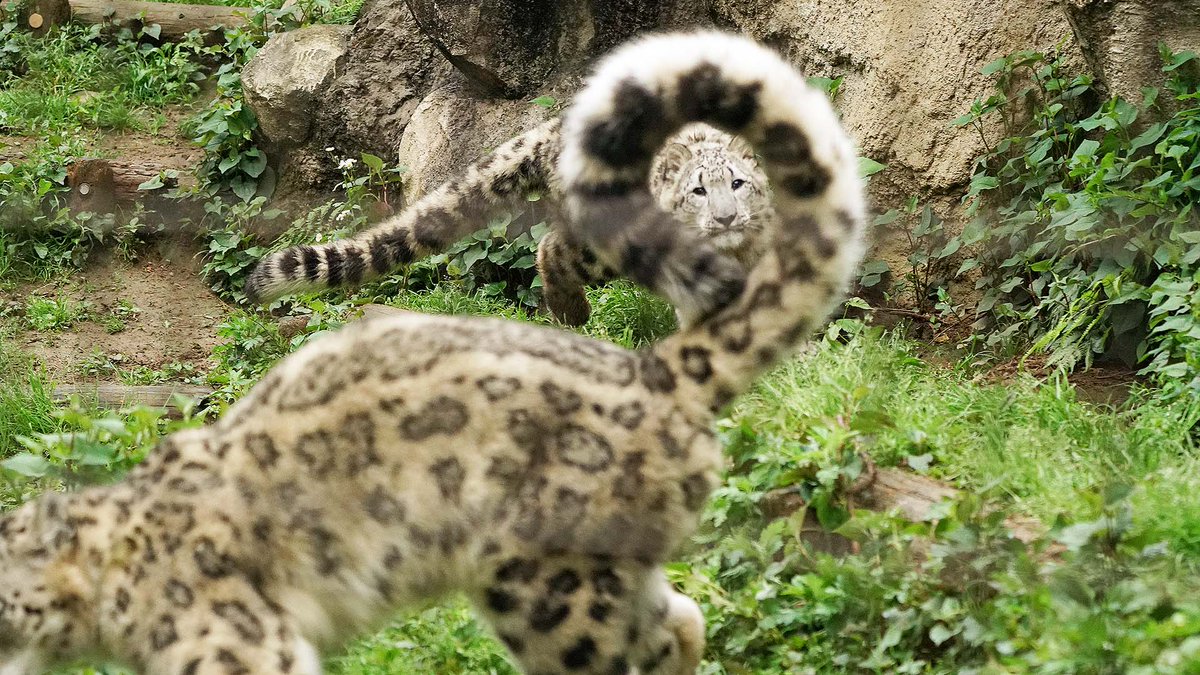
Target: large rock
[(390, 68), (513, 48), (282, 83), (451, 128), (1120, 38), (910, 66)]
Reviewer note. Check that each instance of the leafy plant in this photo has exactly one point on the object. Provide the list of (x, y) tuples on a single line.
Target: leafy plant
[(486, 263), (1086, 233), (49, 314), (930, 250), (92, 447), (225, 129)]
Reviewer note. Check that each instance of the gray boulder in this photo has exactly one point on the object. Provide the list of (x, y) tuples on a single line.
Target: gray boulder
[(283, 82)]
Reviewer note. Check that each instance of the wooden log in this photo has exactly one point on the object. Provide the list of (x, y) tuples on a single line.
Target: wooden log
[(161, 396), (174, 20), (40, 16), (912, 495), (100, 185)]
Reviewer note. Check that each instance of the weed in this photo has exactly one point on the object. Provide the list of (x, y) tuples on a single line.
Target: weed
[(47, 314), (25, 402), (114, 320), (1093, 245), (231, 251)]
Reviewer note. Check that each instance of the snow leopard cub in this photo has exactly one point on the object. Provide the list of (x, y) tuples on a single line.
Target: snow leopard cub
[(709, 179), (546, 475)]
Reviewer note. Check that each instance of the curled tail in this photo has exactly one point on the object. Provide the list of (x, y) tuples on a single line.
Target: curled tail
[(637, 97), (454, 210)]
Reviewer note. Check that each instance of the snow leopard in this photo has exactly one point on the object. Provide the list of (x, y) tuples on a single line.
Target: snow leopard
[(545, 475), (709, 179)]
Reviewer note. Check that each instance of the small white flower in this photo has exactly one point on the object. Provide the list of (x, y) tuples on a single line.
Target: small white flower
[(329, 149), (342, 216), (347, 163)]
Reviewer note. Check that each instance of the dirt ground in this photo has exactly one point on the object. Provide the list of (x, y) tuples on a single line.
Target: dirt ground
[(175, 321)]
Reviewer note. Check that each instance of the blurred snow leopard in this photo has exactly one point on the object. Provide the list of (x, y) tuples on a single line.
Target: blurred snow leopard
[(706, 178)]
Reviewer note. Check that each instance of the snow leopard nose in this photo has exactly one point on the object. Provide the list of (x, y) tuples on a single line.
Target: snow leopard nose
[(726, 220)]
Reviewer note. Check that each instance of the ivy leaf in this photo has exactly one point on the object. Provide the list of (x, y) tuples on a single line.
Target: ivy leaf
[(546, 102), (939, 634), (995, 66), (869, 167), (1147, 137), (1087, 148), (27, 464), (1177, 59), (982, 182), (253, 163), (152, 184), (372, 162)]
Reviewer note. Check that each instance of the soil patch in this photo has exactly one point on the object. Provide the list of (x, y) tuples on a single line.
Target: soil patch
[(174, 322), (1104, 384), (168, 147)]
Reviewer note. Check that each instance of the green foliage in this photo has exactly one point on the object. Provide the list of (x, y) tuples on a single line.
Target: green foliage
[(114, 319), (494, 266), (25, 404), (92, 447), (225, 128), (955, 593), (930, 250), (53, 314), (62, 89), (99, 365), (73, 77), (830, 85), (1092, 246), (436, 640), (231, 251)]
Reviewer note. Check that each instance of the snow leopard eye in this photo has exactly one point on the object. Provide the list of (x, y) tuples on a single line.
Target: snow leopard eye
[(737, 183), (699, 191)]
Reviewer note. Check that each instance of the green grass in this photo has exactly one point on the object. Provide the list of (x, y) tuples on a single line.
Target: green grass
[(72, 79), (621, 312), (54, 314), (1027, 443), (25, 404)]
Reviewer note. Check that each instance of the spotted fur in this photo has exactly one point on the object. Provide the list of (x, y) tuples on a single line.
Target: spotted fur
[(710, 180), (544, 474)]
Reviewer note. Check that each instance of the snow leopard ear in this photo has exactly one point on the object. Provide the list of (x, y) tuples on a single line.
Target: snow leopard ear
[(738, 147), (671, 159)]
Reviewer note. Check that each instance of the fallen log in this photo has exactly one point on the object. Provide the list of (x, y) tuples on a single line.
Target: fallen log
[(911, 495), (100, 185), (40, 16), (173, 20), (162, 396)]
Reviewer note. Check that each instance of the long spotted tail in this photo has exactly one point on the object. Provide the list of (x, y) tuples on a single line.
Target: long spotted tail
[(638, 96), (454, 210)]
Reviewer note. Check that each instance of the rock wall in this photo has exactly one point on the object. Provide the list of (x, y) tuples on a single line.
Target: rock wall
[(432, 84), (910, 67), (1120, 39)]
